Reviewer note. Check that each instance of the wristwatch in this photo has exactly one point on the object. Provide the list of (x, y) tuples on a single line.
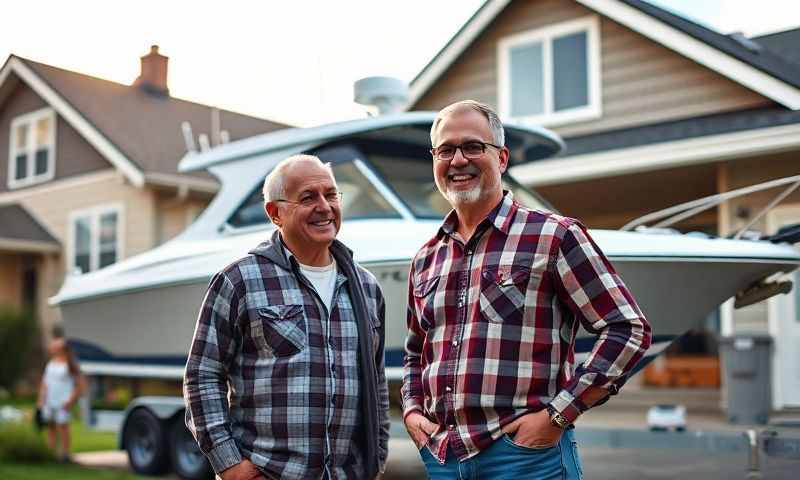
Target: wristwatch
[(557, 419)]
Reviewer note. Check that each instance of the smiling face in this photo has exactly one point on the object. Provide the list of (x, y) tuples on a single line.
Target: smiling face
[(468, 182), (307, 230)]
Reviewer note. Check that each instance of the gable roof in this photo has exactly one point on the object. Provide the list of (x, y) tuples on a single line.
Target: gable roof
[(22, 232), (138, 132), (784, 44), (763, 71)]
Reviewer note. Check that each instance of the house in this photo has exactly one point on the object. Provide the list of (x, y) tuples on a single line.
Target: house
[(655, 109), (91, 173)]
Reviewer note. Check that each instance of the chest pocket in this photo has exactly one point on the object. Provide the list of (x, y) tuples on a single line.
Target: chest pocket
[(503, 292), (279, 329), (424, 293)]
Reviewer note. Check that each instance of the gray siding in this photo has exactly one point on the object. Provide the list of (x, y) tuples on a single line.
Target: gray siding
[(642, 81), (73, 155)]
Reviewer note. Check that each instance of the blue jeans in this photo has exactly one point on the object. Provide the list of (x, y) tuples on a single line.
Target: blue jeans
[(505, 460)]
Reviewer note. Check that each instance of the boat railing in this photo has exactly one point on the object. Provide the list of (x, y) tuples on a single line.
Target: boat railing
[(670, 216)]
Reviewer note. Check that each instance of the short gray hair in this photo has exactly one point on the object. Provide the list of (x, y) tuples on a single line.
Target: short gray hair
[(275, 184), (495, 125)]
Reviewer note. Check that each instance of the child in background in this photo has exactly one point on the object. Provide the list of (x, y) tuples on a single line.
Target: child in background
[(62, 385)]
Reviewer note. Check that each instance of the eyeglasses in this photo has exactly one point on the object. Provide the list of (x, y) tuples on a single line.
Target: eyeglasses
[(471, 150), (310, 199)]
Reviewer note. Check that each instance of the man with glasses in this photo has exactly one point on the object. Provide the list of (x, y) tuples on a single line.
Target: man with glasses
[(490, 386), (285, 377)]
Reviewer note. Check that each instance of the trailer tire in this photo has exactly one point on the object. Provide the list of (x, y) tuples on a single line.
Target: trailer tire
[(145, 442), (188, 461)]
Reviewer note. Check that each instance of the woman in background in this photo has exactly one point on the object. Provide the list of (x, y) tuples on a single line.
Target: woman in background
[(62, 385)]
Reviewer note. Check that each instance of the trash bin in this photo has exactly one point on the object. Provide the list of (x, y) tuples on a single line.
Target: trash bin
[(746, 362)]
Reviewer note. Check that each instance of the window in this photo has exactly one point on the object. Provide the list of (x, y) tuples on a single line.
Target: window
[(360, 199), (96, 238), (31, 157), (551, 76)]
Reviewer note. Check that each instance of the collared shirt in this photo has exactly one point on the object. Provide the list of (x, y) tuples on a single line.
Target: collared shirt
[(492, 323), (289, 367)]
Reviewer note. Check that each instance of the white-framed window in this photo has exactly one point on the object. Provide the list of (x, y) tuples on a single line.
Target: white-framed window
[(32, 148), (95, 238), (551, 75)]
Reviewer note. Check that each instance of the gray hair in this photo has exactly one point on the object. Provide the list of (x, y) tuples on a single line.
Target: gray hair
[(495, 125), (274, 185)]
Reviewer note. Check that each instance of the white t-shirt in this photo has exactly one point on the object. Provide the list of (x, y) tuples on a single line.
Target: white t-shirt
[(323, 279)]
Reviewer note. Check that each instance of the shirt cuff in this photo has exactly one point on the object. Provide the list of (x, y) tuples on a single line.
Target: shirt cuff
[(224, 455), (411, 408), (568, 406)]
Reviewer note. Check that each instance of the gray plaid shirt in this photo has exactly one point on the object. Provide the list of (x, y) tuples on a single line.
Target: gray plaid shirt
[(290, 369)]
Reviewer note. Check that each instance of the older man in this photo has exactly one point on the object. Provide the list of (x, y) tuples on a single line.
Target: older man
[(285, 378), (494, 305)]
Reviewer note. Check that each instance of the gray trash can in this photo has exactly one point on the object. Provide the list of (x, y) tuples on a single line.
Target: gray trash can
[(746, 363)]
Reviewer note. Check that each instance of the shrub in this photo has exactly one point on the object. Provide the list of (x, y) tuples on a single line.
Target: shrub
[(17, 337), (19, 443)]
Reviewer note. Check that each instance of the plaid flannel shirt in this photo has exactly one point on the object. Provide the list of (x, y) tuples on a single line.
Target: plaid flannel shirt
[(492, 325), (293, 406)]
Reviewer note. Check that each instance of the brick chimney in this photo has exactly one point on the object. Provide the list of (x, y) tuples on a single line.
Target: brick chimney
[(153, 78)]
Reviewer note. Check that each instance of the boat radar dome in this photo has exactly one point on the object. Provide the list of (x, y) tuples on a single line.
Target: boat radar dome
[(388, 94)]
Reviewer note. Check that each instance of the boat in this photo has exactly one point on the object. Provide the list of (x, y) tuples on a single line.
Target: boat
[(136, 318)]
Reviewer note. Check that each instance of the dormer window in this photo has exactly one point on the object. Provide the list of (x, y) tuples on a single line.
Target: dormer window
[(551, 75), (32, 148)]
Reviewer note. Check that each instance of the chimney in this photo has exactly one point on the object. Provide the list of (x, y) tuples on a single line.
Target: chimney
[(153, 78)]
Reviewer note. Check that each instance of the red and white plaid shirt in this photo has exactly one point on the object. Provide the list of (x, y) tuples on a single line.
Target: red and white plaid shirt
[(492, 324)]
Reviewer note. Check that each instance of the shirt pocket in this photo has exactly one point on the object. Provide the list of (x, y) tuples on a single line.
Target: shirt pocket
[(280, 329), (424, 293), (503, 291)]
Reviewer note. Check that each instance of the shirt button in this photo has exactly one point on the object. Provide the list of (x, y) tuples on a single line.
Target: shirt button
[(451, 426), (455, 343), (448, 389)]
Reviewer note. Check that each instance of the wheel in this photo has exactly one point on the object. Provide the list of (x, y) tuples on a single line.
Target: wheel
[(146, 443), (187, 459)]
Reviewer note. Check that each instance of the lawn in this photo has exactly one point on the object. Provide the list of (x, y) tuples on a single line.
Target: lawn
[(16, 471), (84, 439)]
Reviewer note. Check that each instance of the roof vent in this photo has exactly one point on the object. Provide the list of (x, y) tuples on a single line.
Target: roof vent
[(387, 94), (750, 45)]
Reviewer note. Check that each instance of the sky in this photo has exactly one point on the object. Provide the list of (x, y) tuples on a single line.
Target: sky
[(289, 61)]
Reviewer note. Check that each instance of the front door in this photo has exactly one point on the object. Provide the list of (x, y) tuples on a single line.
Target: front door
[(784, 326)]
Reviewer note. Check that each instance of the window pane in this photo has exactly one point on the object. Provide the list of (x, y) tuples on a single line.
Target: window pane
[(108, 239), (22, 166), (43, 132), (570, 72), (41, 162), (359, 198), (251, 212), (21, 137), (527, 80), (83, 244)]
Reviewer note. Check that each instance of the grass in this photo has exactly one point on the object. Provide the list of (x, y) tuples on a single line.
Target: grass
[(83, 439), (32, 460), (16, 471)]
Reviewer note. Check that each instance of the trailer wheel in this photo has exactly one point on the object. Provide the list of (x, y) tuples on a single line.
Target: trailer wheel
[(187, 460), (145, 443)]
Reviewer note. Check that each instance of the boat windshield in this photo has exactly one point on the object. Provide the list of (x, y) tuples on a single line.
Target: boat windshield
[(402, 163), (360, 199), (412, 180)]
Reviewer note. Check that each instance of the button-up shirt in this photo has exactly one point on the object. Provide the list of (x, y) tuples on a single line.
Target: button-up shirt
[(290, 367), (492, 322)]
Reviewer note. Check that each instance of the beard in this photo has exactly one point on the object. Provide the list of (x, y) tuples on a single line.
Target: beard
[(459, 197)]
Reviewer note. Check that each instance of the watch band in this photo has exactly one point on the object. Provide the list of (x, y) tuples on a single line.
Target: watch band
[(557, 419)]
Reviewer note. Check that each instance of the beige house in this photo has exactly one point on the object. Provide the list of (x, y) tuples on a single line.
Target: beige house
[(90, 172), (655, 110)]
